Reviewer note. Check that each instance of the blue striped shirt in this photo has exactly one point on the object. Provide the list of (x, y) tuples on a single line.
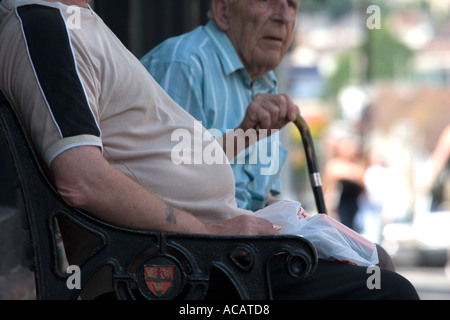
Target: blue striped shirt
[(203, 73)]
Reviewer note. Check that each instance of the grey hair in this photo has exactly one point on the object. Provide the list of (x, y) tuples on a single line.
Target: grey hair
[(209, 14)]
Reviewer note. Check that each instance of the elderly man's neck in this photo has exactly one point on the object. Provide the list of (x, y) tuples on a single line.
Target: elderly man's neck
[(80, 3)]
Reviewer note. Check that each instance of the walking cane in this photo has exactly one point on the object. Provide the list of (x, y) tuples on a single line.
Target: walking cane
[(313, 167)]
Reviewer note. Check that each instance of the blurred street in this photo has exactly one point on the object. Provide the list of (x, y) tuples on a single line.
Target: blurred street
[(430, 282), (371, 80)]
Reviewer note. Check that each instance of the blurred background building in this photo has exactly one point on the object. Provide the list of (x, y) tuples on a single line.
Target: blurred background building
[(383, 86), (374, 75)]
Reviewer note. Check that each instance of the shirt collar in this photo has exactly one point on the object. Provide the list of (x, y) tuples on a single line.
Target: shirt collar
[(229, 57), (225, 50)]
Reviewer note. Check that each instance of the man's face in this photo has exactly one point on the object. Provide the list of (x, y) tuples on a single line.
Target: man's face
[(262, 31)]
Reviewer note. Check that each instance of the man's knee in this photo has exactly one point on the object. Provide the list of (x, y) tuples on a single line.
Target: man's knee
[(338, 281), (385, 260)]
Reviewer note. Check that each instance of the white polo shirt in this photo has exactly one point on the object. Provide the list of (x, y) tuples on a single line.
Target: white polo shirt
[(75, 84)]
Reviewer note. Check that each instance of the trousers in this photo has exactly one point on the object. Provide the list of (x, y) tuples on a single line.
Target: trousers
[(330, 281), (336, 281)]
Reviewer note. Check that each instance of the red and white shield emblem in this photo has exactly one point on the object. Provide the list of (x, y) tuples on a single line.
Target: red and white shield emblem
[(159, 279)]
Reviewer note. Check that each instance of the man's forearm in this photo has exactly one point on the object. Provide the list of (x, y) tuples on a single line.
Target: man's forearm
[(93, 185), (86, 180)]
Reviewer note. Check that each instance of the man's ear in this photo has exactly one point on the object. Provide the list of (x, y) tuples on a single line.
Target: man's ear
[(220, 14)]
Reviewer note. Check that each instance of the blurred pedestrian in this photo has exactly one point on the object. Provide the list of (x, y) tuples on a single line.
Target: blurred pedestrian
[(344, 180), (437, 174)]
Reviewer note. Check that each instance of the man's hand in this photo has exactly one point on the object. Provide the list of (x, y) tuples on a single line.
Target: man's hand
[(269, 111), (266, 111), (247, 225)]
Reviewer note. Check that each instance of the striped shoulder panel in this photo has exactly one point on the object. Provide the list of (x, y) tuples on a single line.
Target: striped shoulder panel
[(50, 51)]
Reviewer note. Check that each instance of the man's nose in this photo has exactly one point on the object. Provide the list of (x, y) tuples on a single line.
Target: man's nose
[(282, 12)]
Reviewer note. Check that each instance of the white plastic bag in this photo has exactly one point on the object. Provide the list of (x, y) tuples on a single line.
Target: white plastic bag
[(332, 240)]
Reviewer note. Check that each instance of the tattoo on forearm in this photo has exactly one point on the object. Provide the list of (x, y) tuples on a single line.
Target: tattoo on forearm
[(171, 215)]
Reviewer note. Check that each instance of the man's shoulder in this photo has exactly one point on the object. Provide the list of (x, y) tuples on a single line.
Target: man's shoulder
[(33, 14)]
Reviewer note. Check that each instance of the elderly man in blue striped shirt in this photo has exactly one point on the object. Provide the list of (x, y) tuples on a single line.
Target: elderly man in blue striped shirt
[(222, 74)]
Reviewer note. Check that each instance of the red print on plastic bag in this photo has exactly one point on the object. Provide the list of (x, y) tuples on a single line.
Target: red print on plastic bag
[(332, 240)]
